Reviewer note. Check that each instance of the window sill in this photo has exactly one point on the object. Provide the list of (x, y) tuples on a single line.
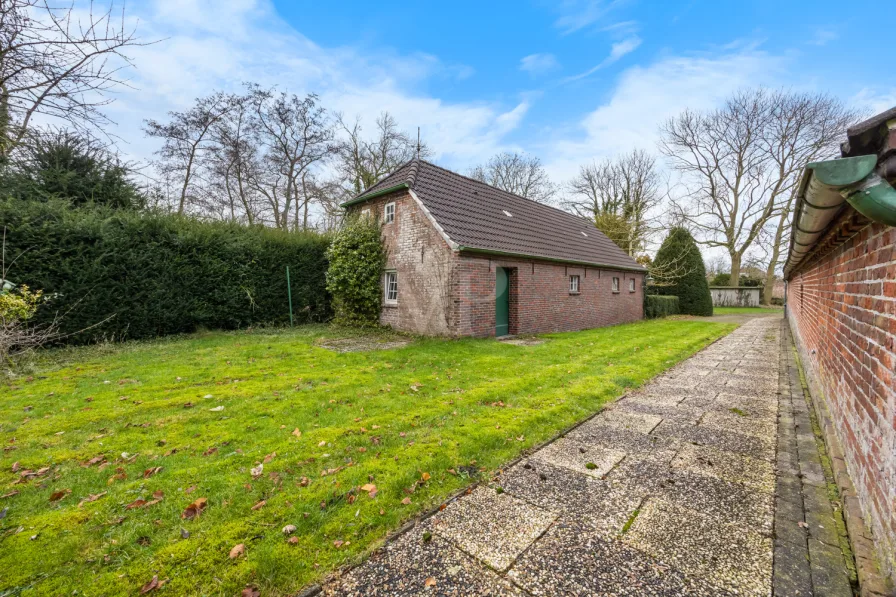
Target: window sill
[(574, 293), (615, 292), (392, 305)]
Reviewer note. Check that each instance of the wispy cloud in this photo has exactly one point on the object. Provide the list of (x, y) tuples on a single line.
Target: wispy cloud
[(538, 64), (578, 14), (823, 35), (645, 96), (617, 51), (219, 45)]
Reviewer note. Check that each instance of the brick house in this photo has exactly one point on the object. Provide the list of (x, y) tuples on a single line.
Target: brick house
[(467, 259), (841, 305)]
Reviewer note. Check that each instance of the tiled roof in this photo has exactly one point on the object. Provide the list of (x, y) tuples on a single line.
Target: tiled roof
[(480, 217)]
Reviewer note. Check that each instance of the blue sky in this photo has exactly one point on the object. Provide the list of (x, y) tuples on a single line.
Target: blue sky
[(567, 81)]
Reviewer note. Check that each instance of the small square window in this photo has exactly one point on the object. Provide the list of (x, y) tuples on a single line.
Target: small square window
[(389, 213), (574, 285), (615, 284), (631, 285), (365, 213), (390, 285)]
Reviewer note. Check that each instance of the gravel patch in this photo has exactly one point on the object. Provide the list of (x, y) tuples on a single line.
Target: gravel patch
[(362, 344)]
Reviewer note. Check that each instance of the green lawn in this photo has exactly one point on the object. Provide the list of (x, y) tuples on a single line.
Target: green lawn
[(745, 310), (105, 427)]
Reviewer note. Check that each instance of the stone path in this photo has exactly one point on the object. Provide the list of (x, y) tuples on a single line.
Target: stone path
[(671, 491)]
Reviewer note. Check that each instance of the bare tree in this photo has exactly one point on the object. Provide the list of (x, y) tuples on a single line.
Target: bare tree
[(236, 163), (740, 163), (295, 134), (186, 138), (362, 162), (517, 173), (59, 63), (617, 195)]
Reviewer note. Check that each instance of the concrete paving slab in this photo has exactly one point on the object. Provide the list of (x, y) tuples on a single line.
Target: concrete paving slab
[(580, 457), (628, 420), (749, 445), (703, 546), (495, 528), (568, 560), (636, 445), (756, 473)]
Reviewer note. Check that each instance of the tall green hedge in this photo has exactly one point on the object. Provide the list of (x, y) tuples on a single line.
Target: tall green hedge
[(680, 264), (660, 306), (156, 274)]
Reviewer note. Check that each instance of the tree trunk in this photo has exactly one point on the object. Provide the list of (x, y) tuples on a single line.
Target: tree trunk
[(776, 254), (735, 270)]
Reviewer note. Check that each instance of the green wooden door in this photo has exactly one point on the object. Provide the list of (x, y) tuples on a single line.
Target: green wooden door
[(502, 302)]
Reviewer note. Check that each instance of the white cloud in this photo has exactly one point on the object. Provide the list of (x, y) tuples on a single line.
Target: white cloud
[(874, 100), (644, 97), (823, 35), (617, 51), (578, 14), (207, 46), (537, 64)]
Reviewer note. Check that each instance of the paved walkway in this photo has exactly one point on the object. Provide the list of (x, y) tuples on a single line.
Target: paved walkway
[(671, 491)]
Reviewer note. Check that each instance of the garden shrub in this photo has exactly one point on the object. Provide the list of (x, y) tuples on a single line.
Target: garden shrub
[(357, 260), (684, 271), (126, 274), (660, 306)]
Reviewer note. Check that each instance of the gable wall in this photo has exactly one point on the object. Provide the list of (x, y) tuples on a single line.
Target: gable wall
[(425, 266)]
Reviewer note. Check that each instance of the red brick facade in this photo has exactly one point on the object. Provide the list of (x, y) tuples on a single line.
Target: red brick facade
[(445, 292), (842, 309)]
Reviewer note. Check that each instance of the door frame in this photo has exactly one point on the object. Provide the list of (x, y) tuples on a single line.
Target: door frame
[(502, 298)]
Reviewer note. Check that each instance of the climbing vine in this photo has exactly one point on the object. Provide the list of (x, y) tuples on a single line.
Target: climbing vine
[(357, 258)]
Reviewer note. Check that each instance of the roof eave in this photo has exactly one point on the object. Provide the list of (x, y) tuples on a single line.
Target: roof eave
[(463, 248), (375, 194)]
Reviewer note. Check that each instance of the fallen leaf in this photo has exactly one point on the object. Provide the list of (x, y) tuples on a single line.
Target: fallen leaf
[(151, 585), (58, 495), (210, 451), (293, 540), (430, 582), (289, 529), (184, 534), (259, 505), (217, 409), (337, 544), (190, 489), (250, 592), (269, 457), (135, 504), (322, 444), (151, 471), (304, 482), (194, 509), (406, 501), (296, 432), (425, 477), (368, 487), (237, 551), (15, 467), (256, 471)]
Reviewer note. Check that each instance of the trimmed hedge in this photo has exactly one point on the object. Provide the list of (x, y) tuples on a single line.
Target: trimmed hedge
[(157, 274), (660, 306)]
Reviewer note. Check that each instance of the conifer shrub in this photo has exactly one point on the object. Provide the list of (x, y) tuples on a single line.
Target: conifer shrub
[(679, 271)]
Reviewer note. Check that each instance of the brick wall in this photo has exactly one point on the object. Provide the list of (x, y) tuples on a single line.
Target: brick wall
[(540, 300), (446, 293), (842, 309), (424, 263)]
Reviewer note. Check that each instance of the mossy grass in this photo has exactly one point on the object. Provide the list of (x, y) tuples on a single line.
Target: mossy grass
[(746, 310), (419, 423)]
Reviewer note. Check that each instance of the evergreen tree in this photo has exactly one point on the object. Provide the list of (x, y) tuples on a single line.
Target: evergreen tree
[(679, 267)]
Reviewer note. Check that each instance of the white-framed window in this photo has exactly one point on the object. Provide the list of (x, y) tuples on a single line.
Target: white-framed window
[(390, 286), (631, 285), (389, 213), (573, 285), (615, 284)]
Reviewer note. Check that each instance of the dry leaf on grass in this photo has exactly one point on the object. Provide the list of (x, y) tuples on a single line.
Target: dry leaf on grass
[(296, 432), (259, 505), (151, 585), (250, 592), (269, 457), (151, 471), (237, 551), (289, 529), (256, 471), (194, 509), (293, 540), (406, 501), (425, 477), (58, 495)]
